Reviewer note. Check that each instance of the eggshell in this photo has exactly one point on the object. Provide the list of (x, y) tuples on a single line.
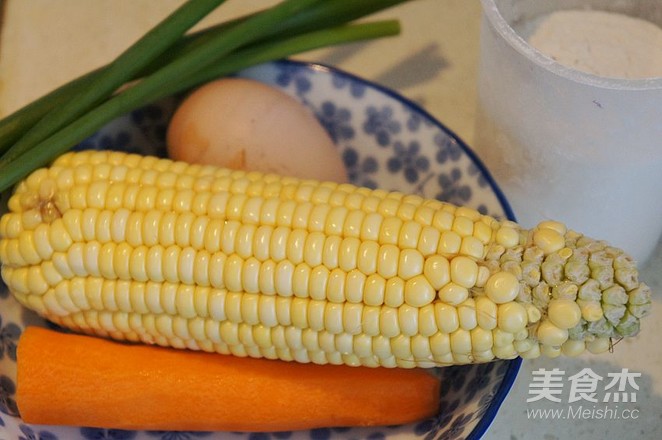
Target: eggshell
[(244, 124)]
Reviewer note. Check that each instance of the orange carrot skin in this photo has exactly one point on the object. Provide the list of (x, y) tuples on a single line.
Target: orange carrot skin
[(67, 379)]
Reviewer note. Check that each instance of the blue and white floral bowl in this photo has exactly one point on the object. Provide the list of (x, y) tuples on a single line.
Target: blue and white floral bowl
[(386, 141)]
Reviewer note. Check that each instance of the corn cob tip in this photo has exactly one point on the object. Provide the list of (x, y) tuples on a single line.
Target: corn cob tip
[(581, 293)]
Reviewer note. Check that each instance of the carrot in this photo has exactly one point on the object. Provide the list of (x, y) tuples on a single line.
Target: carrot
[(67, 379)]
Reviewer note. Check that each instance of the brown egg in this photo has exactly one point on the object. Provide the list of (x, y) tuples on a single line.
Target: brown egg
[(244, 124)]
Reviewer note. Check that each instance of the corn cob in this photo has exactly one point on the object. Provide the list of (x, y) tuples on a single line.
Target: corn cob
[(150, 250)]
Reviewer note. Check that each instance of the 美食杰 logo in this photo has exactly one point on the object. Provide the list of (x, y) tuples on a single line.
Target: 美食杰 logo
[(587, 394)]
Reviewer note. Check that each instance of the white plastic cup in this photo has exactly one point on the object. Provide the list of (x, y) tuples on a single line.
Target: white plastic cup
[(567, 145)]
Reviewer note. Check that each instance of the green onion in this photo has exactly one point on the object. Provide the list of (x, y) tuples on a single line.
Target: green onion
[(291, 27)]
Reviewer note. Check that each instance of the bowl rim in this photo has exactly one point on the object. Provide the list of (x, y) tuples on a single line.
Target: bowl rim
[(514, 364)]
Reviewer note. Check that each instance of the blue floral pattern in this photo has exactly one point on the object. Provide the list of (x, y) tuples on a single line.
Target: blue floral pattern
[(9, 335), (30, 434), (360, 169), (380, 123), (4, 293), (7, 391), (107, 434), (356, 88), (336, 120), (178, 435), (385, 141), (409, 160)]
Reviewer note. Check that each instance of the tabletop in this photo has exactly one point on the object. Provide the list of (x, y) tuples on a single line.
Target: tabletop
[(433, 62)]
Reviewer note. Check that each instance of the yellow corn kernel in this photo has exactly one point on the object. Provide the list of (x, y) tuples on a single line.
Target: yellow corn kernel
[(507, 236), (483, 276), (467, 315), (418, 292), (381, 347), (355, 286), (553, 225), (507, 351), (285, 213), (463, 271), (299, 313), (427, 324), (300, 281), (249, 277), (591, 310), (550, 351), (449, 243), (59, 237), (394, 295), (472, 247), (266, 310), (371, 226), (388, 259), (564, 313), (428, 241), (598, 345), (420, 348), (217, 269), (375, 287), (409, 235), (483, 232), (244, 241), (370, 320), (335, 291), (532, 353), (330, 251), (502, 337), (460, 341), (481, 340), (453, 294), (511, 317), (486, 313), (317, 284), (348, 253), (548, 240), (388, 206), (389, 232), (437, 270), (440, 344), (283, 276), (502, 287), (388, 322), (463, 226), (573, 347), (367, 257), (551, 335), (442, 220), (351, 318), (410, 263), (313, 248), (447, 317)]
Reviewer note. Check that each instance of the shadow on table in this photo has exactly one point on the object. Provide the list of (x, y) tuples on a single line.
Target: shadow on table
[(419, 67)]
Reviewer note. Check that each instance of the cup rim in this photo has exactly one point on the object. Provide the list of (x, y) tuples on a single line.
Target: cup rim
[(501, 26)]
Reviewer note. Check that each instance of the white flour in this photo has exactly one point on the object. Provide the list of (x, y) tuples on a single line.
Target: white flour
[(601, 43)]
